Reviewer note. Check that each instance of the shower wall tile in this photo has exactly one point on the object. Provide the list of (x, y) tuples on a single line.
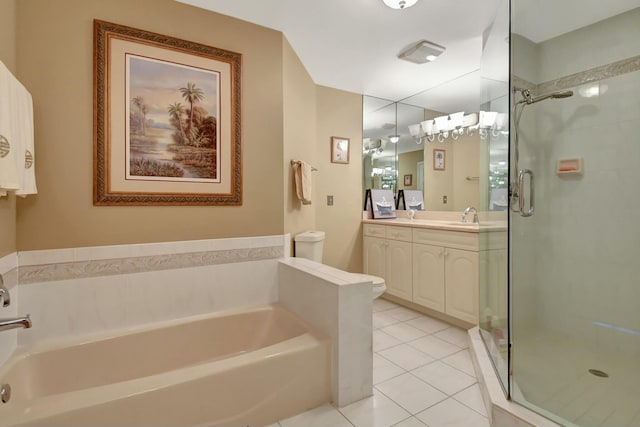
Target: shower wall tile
[(602, 43), (588, 222), (587, 77), (524, 57)]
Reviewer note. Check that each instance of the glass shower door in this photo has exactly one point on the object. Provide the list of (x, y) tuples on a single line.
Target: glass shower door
[(574, 229), (494, 148)]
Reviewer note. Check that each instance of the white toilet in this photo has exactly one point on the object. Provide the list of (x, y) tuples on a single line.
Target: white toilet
[(309, 245)]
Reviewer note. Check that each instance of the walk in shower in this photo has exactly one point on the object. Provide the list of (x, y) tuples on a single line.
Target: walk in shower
[(564, 335)]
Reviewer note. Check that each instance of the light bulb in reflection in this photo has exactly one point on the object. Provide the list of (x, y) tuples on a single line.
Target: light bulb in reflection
[(593, 90)]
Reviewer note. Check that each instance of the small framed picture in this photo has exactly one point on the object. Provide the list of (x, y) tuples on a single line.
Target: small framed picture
[(382, 204), (408, 179), (439, 160), (339, 149)]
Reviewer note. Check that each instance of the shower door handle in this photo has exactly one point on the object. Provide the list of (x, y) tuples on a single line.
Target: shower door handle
[(521, 195)]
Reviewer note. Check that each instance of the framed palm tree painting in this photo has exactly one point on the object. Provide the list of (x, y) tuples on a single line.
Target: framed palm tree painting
[(166, 120)]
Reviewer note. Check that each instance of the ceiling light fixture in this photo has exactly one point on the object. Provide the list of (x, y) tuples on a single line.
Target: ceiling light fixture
[(458, 124), (399, 4), (422, 52), (394, 138)]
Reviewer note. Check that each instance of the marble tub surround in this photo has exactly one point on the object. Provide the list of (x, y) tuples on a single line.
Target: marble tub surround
[(71, 292), (9, 271), (91, 292), (8, 263), (74, 263), (86, 306), (340, 306)]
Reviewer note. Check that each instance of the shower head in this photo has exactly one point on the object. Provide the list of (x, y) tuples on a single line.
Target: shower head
[(529, 99), (563, 94), (554, 95)]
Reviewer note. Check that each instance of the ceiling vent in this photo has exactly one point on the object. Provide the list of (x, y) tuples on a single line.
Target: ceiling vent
[(421, 52)]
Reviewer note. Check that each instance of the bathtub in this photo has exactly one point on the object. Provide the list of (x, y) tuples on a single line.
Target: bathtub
[(249, 367)]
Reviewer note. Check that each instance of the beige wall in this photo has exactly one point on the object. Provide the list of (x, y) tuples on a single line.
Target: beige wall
[(339, 113), (285, 116), (8, 57), (55, 59), (466, 155), (408, 165), (299, 140), (461, 161), (438, 183)]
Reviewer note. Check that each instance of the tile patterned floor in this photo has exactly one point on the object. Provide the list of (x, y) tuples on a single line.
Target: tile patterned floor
[(422, 376)]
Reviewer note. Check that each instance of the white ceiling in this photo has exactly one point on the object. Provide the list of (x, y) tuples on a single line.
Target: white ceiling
[(353, 45)]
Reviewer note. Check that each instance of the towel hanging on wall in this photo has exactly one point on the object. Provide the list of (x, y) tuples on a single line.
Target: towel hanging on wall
[(302, 175), (17, 156)]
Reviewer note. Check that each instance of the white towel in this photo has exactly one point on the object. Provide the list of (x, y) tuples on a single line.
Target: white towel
[(9, 175), (302, 173), (24, 110), (17, 156)]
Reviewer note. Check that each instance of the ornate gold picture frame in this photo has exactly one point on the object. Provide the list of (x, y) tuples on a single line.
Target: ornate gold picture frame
[(167, 120)]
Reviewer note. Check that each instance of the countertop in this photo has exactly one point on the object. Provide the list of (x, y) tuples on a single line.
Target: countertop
[(450, 225)]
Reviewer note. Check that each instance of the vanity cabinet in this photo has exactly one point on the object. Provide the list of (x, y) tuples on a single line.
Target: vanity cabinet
[(428, 276), (461, 284), (374, 250), (387, 254), (446, 272), (437, 269)]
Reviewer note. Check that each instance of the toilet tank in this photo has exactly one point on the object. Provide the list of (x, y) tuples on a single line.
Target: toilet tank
[(309, 245)]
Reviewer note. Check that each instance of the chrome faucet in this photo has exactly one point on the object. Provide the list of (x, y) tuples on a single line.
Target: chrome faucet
[(18, 322), (467, 212), (5, 298)]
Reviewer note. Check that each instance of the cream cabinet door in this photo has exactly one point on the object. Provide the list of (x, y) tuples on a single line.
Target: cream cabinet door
[(374, 256), (461, 276), (428, 276), (399, 271)]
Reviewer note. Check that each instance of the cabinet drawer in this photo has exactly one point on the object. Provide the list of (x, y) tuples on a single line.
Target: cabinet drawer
[(449, 239), (374, 230), (399, 233)]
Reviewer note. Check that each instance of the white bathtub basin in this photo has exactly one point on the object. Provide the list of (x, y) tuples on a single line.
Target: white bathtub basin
[(250, 367)]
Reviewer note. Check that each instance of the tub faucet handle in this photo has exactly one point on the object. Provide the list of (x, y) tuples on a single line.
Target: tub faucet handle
[(5, 298), (17, 322)]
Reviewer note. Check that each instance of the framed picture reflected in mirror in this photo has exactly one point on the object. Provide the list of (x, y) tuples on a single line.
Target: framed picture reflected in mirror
[(439, 160)]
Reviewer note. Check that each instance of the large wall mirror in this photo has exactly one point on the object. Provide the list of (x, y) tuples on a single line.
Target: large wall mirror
[(391, 158), (447, 168)]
